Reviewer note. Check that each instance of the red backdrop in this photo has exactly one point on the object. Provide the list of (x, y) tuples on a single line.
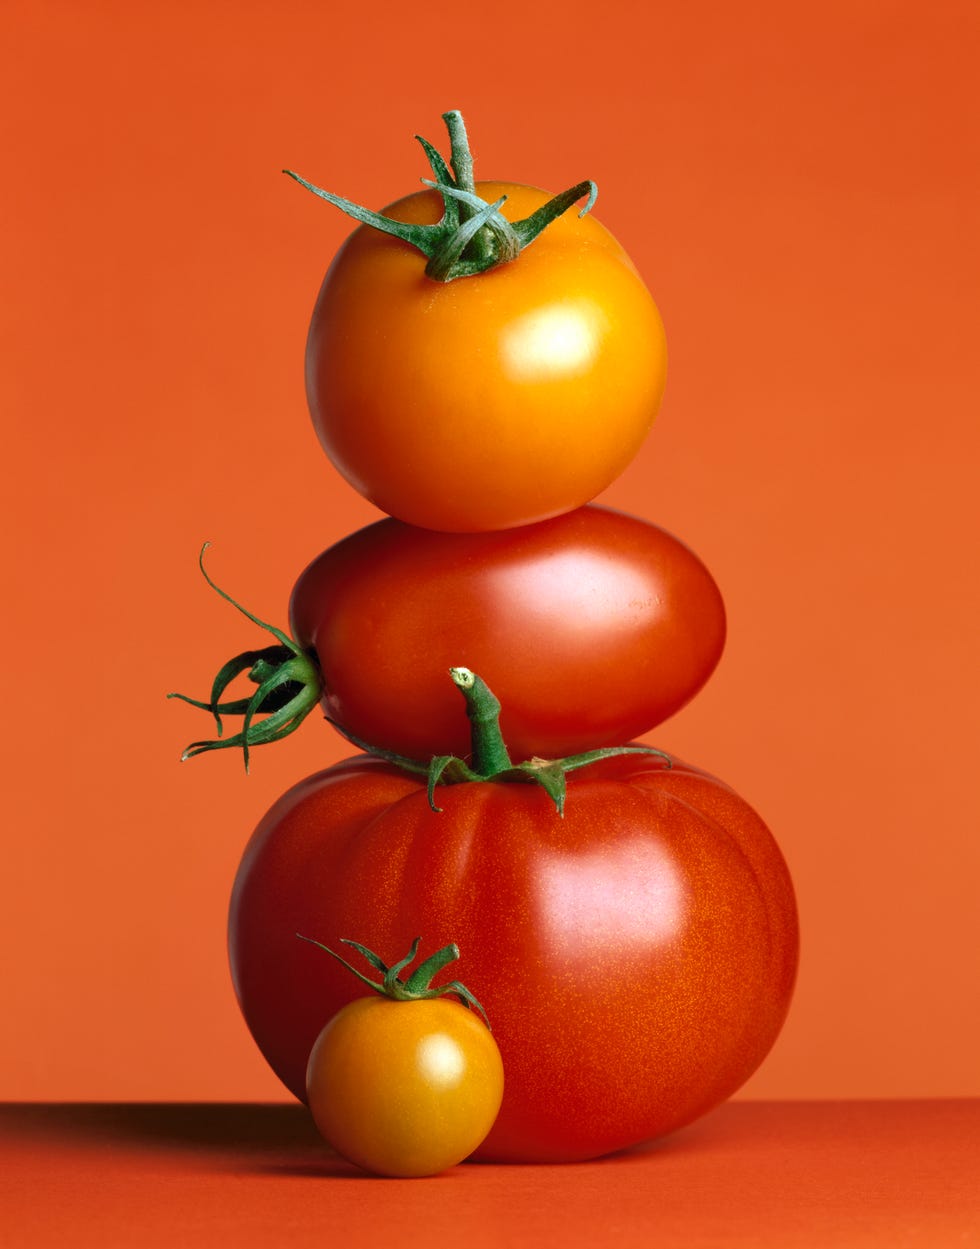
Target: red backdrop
[(799, 189)]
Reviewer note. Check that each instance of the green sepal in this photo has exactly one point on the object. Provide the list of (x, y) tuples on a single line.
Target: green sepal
[(472, 236), (443, 180), (610, 752), (423, 237), (258, 665), (289, 687), (448, 770), (551, 777), (505, 237), (273, 727), (394, 987), (514, 236), (529, 228), (370, 955), (448, 263), (490, 760), (418, 987)]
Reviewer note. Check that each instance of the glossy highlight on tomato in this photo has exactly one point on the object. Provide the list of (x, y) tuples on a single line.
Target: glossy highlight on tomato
[(636, 957), (591, 628), (496, 400)]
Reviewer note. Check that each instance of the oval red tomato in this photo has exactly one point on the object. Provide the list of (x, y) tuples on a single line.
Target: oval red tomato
[(590, 628), (636, 957), (494, 400)]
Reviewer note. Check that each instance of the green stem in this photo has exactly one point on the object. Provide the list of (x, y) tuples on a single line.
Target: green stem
[(481, 248), (460, 156), (489, 754), (490, 760)]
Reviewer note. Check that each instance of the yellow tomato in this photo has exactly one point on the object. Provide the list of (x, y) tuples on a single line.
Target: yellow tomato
[(405, 1088), (494, 400)]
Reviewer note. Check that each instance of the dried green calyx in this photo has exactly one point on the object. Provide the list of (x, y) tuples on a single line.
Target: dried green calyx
[(419, 985), (473, 235), (288, 688)]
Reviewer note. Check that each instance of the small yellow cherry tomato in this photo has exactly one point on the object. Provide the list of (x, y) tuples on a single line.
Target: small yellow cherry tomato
[(405, 1088)]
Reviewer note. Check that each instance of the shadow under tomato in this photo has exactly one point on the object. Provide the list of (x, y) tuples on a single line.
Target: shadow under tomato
[(224, 1133), (266, 1139)]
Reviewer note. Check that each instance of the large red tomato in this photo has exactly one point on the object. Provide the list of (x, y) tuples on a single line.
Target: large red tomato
[(494, 400), (591, 628), (635, 957)]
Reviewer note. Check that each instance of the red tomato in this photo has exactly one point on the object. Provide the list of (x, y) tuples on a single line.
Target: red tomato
[(591, 628), (636, 957), (490, 401)]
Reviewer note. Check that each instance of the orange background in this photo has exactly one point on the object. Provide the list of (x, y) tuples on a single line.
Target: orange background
[(800, 191)]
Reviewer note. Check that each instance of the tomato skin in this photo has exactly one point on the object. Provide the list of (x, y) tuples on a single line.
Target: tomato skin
[(636, 958), (490, 401), (590, 628), (404, 1088)]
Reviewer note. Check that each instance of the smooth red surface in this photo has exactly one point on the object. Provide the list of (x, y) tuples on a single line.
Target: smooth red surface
[(590, 628), (753, 1175), (635, 957)]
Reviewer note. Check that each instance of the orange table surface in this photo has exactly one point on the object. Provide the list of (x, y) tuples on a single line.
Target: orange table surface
[(813, 1175)]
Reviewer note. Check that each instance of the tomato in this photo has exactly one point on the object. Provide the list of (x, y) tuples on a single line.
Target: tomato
[(591, 628), (636, 957), (594, 626), (404, 1088), (494, 400)]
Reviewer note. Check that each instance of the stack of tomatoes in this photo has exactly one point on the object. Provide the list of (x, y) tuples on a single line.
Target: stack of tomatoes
[(627, 922)]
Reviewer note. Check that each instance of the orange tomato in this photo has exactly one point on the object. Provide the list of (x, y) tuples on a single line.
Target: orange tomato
[(405, 1088), (493, 400)]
